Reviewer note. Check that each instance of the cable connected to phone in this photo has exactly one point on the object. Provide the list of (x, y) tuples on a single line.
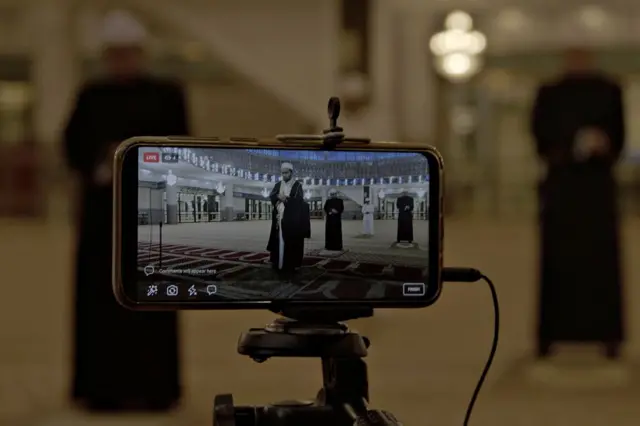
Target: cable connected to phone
[(471, 275)]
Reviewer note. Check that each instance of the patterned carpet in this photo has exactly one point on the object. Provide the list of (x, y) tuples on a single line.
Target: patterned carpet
[(249, 275)]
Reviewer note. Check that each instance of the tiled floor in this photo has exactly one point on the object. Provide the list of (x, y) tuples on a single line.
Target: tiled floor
[(423, 364)]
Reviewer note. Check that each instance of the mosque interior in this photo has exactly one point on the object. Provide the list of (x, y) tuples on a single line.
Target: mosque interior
[(209, 209)]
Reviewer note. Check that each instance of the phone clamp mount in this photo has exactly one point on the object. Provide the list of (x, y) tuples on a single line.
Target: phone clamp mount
[(330, 137), (310, 333)]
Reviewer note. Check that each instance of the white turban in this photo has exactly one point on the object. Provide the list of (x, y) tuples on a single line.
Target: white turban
[(286, 166), (333, 191), (403, 190), (122, 29)]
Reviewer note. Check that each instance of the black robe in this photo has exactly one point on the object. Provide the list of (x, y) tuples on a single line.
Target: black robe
[(333, 224), (121, 357), (580, 272), (294, 229), (405, 218), (306, 212)]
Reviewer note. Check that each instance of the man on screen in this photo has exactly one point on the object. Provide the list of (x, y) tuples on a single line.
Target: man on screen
[(333, 209), (367, 218), (288, 224), (404, 204)]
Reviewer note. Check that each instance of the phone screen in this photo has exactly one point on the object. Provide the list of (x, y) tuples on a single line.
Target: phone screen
[(255, 225)]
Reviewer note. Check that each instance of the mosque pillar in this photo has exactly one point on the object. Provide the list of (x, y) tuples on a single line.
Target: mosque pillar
[(55, 71), (228, 210), (324, 193), (172, 204)]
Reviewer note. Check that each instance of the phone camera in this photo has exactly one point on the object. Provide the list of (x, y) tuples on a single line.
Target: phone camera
[(172, 290)]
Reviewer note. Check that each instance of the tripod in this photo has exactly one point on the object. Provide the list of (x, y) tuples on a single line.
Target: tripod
[(310, 333)]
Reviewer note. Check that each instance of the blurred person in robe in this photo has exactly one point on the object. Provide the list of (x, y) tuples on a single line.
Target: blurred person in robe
[(333, 209), (578, 126), (367, 218), (404, 205), (288, 224), (123, 359)]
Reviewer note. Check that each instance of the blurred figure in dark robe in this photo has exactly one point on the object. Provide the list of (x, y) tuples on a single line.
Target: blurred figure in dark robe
[(123, 359), (333, 209), (288, 224), (404, 204), (578, 125)]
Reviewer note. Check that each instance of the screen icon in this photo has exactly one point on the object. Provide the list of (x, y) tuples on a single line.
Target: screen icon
[(169, 157), (212, 289), (172, 290), (151, 157), (152, 290), (149, 270), (414, 289), (193, 291)]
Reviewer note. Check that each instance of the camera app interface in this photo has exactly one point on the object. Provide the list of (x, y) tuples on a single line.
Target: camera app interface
[(268, 224)]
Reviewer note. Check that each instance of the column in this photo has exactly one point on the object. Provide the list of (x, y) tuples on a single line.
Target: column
[(373, 197), (324, 193), (55, 71), (211, 201), (202, 215), (218, 208), (379, 119), (228, 210), (155, 206), (415, 75), (172, 204)]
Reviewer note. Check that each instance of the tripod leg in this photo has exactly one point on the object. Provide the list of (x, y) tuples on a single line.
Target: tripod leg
[(345, 381)]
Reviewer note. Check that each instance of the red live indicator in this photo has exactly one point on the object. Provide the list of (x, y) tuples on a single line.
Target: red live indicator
[(151, 157)]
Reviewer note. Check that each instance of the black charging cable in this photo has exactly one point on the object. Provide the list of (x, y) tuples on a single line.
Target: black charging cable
[(470, 275)]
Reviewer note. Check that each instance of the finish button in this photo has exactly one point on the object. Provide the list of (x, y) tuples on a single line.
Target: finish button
[(414, 289)]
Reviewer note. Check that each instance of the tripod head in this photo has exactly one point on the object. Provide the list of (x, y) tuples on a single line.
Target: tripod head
[(311, 333), (332, 136)]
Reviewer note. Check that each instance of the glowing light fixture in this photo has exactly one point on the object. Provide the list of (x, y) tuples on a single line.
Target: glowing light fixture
[(593, 17), (220, 188), (458, 49)]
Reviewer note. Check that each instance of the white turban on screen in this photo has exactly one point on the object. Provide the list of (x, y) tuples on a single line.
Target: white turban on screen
[(286, 166), (121, 29), (333, 191)]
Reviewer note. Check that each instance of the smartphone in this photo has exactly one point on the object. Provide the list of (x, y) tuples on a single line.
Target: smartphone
[(242, 224)]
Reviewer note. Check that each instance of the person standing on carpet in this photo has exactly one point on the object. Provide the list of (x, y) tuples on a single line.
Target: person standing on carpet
[(404, 205), (123, 360), (578, 126), (333, 209), (367, 218), (288, 224)]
